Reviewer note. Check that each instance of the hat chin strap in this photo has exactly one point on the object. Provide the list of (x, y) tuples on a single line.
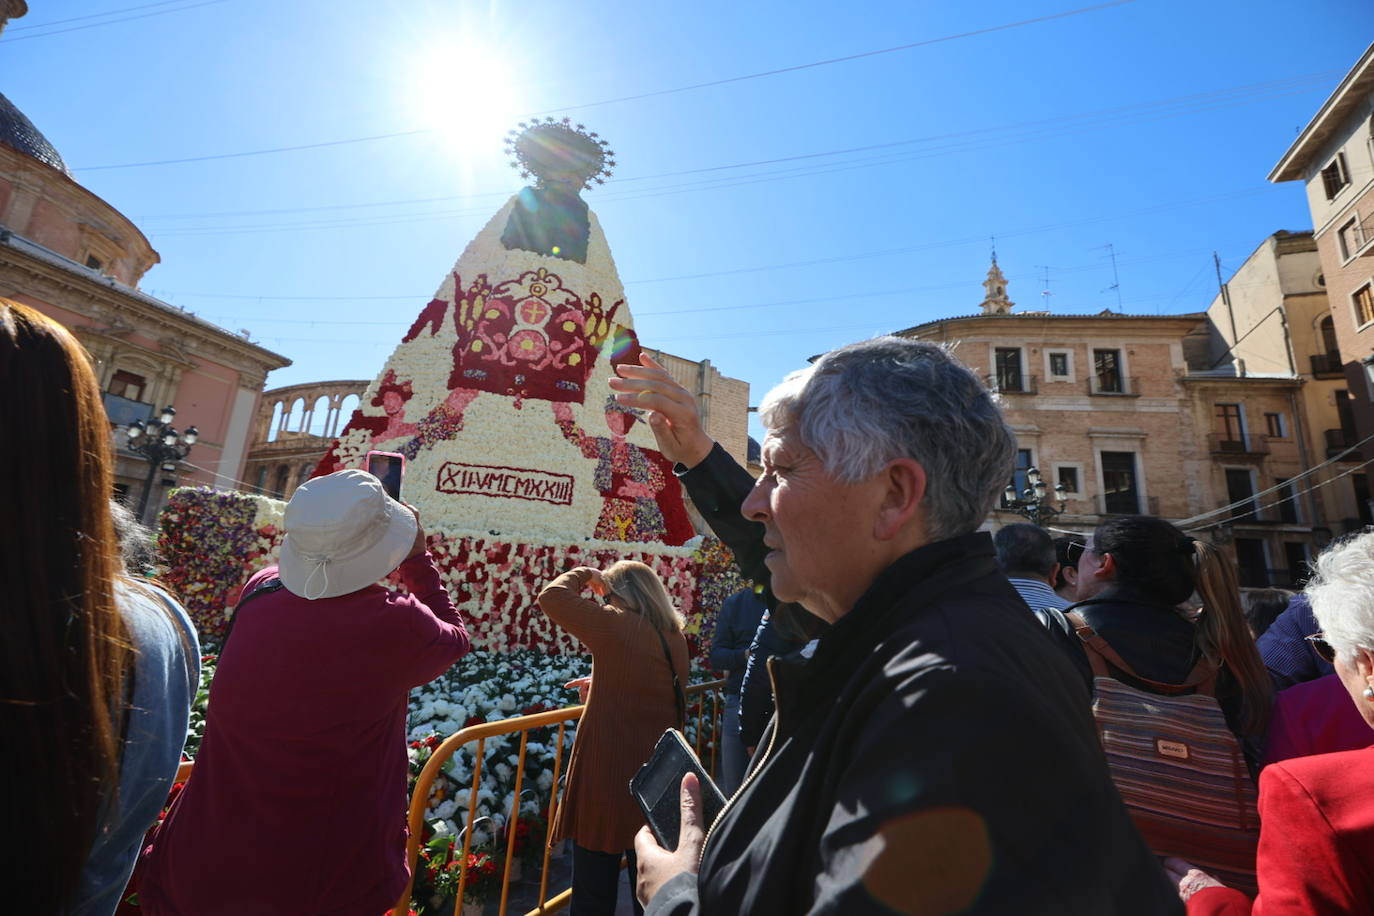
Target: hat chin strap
[(321, 566)]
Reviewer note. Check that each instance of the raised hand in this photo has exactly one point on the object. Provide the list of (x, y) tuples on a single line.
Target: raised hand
[(672, 410)]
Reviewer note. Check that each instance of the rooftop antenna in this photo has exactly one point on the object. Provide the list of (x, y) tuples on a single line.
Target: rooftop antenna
[(1116, 280), (1045, 293)]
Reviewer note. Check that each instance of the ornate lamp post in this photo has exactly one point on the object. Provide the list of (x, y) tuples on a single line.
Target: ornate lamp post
[(1033, 503), (159, 442)]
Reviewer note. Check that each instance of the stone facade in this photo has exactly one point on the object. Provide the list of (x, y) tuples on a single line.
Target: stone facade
[(1273, 319), (72, 256), (1334, 157), (1126, 413)]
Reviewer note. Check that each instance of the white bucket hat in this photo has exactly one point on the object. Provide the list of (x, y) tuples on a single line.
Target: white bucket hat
[(343, 533)]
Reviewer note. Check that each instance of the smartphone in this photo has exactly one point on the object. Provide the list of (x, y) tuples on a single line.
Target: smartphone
[(658, 788), (389, 468)]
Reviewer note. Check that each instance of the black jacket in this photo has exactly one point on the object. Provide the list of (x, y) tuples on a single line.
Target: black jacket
[(936, 754)]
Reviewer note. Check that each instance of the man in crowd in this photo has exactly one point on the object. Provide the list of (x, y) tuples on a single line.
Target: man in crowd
[(736, 625), (1026, 554), (932, 751)]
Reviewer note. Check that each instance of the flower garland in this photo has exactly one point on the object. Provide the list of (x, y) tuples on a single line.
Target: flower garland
[(211, 542)]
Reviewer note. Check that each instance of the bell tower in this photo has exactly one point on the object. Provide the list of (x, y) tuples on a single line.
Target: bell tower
[(995, 301)]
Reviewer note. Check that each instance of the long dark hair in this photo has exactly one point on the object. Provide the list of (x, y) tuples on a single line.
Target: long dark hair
[(64, 648), (1158, 561)]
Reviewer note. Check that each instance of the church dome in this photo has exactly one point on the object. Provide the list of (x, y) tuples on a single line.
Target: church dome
[(18, 132)]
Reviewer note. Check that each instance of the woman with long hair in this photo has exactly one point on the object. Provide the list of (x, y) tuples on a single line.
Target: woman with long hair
[(1134, 577), (639, 667), (97, 671)]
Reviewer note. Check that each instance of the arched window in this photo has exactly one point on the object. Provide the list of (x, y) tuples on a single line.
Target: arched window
[(319, 416), (1328, 331), (295, 420), (283, 477), (261, 483), (274, 427), (346, 408)]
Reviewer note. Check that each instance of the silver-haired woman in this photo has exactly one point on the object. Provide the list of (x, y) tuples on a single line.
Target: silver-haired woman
[(1317, 812)]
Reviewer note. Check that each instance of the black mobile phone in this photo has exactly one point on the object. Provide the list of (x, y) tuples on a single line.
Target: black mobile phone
[(389, 468), (658, 788)]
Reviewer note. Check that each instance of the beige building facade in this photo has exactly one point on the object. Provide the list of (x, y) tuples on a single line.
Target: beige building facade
[(1334, 157), (1136, 414), (1273, 320)]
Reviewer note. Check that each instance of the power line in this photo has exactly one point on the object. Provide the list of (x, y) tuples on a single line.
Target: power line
[(127, 9), (1242, 94), (839, 60), (656, 93), (5, 39)]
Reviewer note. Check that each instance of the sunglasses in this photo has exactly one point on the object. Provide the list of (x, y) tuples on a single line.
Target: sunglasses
[(1075, 551), (1322, 647)]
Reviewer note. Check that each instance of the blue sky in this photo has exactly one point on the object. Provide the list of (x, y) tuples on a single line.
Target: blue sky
[(1149, 125)]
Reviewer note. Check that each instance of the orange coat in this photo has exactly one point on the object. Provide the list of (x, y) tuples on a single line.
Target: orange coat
[(630, 704)]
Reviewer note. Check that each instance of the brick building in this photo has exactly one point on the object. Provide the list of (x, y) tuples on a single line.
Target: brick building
[(1334, 157), (1136, 414)]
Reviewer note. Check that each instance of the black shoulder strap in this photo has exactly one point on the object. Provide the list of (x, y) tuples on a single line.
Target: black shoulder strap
[(262, 588), (679, 695)]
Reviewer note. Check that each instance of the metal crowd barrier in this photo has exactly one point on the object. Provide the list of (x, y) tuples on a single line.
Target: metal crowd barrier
[(419, 800)]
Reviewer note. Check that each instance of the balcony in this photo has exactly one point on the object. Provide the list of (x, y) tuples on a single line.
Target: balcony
[(1011, 384), (1337, 441), (1228, 444), (1357, 240), (1327, 365), (123, 411), (1112, 386)]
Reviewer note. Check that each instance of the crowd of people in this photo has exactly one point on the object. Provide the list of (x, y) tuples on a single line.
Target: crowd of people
[(920, 717)]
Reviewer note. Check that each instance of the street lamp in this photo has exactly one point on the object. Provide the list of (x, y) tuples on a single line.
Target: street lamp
[(160, 443), (1032, 502)]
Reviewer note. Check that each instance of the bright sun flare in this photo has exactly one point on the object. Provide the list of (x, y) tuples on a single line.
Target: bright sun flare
[(468, 93)]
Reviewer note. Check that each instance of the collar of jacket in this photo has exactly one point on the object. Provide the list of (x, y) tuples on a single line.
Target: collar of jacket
[(933, 569)]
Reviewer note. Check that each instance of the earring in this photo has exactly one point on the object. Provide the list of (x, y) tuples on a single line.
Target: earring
[(1369, 692)]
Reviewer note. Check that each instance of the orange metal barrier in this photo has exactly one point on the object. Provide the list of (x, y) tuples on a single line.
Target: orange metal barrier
[(419, 800)]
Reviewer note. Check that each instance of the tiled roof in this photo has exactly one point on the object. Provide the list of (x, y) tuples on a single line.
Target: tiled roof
[(18, 132)]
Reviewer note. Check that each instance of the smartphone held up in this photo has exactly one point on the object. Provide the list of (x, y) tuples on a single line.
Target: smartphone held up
[(389, 468)]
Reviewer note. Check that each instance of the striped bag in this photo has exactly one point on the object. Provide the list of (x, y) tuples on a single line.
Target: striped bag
[(1177, 765)]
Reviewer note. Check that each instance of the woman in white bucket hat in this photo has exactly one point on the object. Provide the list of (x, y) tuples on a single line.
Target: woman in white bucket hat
[(297, 803)]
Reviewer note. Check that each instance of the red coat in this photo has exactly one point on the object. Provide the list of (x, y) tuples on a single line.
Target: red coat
[(1316, 849), (297, 803)]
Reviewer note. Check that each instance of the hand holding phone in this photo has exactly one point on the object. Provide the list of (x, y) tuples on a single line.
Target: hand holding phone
[(658, 784), (389, 468)]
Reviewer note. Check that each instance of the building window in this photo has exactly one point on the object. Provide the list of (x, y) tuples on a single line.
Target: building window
[(93, 262), (1274, 426), (1120, 492), (1335, 176), (1008, 363), (1068, 476), (1360, 483), (1350, 238), (1364, 305), (1059, 364), (1024, 463), (1286, 501), (1107, 367), (1296, 555), (127, 385), (1231, 427), (1251, 563), (1240, 495)]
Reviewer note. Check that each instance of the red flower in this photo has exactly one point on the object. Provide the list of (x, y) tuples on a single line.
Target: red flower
[(475, 720)]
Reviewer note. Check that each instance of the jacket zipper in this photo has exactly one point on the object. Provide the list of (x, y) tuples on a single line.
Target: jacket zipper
[(772, 740)]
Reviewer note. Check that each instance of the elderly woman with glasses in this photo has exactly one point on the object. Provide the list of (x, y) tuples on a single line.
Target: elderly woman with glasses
[(639, 667), (933, 750), (1316, 841)]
